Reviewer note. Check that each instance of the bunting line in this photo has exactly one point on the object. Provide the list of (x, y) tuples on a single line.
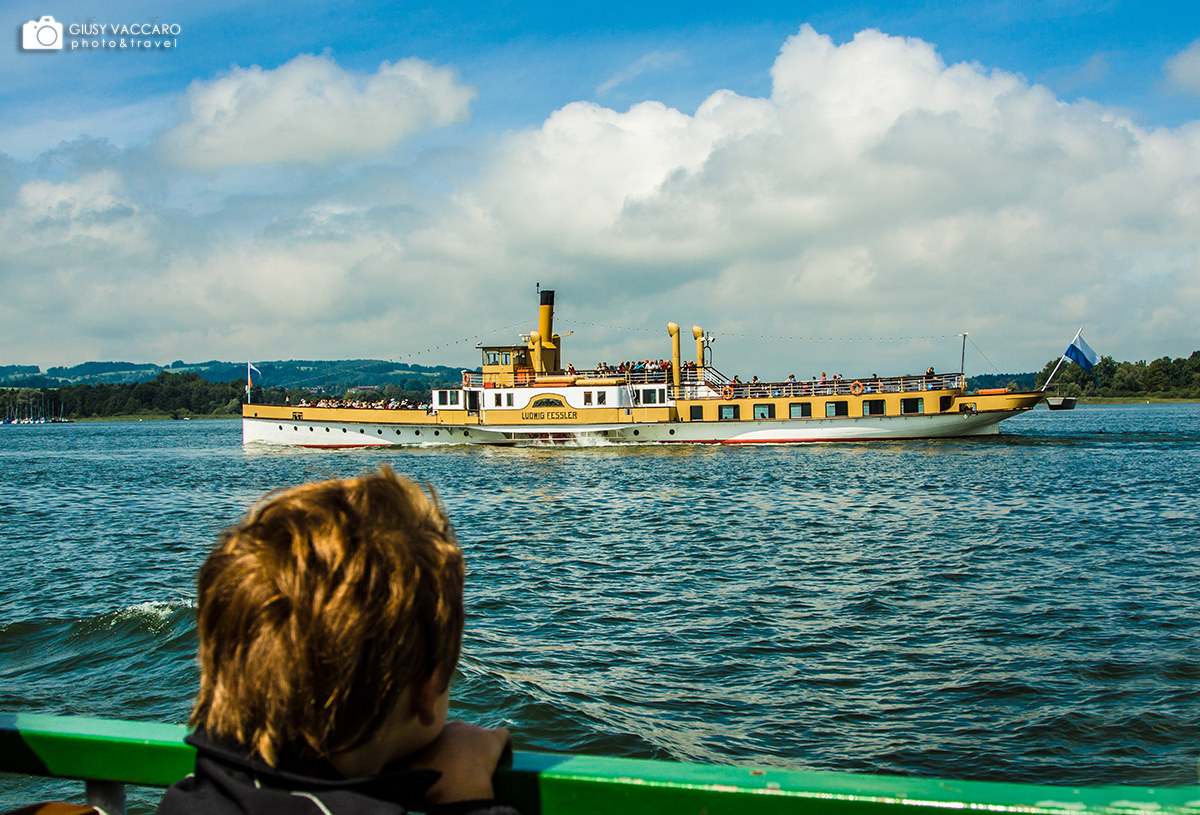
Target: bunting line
[(398, 359), (720, 334)]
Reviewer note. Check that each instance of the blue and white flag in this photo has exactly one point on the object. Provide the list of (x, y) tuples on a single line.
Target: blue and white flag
[(250, 367), (1079, 351)]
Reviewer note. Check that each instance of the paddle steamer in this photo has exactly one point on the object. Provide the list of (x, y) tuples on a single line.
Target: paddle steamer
[(523, 396)]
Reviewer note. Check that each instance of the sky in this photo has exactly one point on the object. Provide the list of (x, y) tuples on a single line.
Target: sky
[(822, 187)]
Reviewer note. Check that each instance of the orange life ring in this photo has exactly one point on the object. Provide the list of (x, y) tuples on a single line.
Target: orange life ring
[(727, 394), (466, 379), (856, 388)]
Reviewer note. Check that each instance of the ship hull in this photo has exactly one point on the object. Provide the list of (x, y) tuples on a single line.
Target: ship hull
[(356, 428)]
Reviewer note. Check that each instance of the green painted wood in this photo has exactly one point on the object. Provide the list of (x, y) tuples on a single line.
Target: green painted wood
[(142, 753), (544, 784), (587, 784)]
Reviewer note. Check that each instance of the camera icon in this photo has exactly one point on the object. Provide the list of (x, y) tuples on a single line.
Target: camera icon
[(41, 35)]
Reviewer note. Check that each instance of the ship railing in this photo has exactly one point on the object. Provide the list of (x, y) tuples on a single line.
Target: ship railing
[(717, 386), (655, 376), (108, 754), (709, 383)]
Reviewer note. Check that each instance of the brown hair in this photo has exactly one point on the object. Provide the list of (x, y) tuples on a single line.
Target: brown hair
[(320, 608)]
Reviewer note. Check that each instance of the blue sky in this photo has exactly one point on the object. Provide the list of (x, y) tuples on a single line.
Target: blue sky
[(584, 147)]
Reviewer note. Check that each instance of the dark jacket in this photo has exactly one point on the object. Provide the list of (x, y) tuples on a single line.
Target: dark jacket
[(227, 782)]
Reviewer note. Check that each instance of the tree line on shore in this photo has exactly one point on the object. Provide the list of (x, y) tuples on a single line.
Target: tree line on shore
[(1163, 378), (188, 394), (178, 396)]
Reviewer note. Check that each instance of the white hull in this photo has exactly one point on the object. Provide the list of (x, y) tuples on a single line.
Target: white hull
[(304, 433)]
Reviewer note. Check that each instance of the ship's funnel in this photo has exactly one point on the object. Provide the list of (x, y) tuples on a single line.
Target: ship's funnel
[(673, 330), (546, 315), (550, 358), (698, 334)]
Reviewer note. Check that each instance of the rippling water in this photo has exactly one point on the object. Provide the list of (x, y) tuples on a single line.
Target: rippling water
[(1021, 608)]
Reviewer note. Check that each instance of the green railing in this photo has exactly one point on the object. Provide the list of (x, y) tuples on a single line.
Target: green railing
[(109, 754)]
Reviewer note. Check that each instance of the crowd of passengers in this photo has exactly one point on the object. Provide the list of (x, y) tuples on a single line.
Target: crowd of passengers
[(654, 370), (394, 404), (826, 385)]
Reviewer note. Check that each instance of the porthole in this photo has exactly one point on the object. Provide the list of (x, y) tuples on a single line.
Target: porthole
[(672, 431), (281, 427), (360, 430), (397, 432), (466, 432), (295, 428), (343, 430), (636, 432), (310, 428), (380, 432), (437, 432), (416, 432), (327, 430)]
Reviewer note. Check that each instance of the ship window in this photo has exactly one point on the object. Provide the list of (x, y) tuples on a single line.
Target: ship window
[(729, 412), (873, 407), (837, 409), (587, 397), (548, 402), (916, 405), (454, 397), (497, 400), (506, 358), (697, 413), (649, 396), (800, 410), (508, 400), (443, 397), (601, 397), (491, 357), (945, 403), (662, 396), (764, 411)]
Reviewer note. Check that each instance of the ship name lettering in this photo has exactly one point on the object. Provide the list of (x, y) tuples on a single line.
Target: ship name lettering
[(544, 415)]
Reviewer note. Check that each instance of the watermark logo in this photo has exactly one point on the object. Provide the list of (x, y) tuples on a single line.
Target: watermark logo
[(47, 34), (42, 35)]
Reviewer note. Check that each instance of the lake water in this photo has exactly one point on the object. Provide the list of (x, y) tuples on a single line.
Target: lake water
[(1020, 607)]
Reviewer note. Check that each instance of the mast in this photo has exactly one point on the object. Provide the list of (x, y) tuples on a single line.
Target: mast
[(1060, 360)]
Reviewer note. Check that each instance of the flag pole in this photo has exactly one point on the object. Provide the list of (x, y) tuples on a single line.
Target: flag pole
[(248, 381), (1061, 358)]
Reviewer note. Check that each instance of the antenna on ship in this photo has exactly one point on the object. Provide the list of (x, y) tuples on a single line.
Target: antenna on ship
[(962, 361)]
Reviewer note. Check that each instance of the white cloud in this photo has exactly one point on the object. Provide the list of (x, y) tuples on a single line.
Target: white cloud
[(652, 61), (311, 111), (1183, 70), (877, 192)]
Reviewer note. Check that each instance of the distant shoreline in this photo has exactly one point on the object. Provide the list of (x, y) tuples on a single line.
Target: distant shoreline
[(155, 417)]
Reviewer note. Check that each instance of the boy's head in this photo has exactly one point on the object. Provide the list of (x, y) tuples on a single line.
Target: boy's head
[(320, 609)]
